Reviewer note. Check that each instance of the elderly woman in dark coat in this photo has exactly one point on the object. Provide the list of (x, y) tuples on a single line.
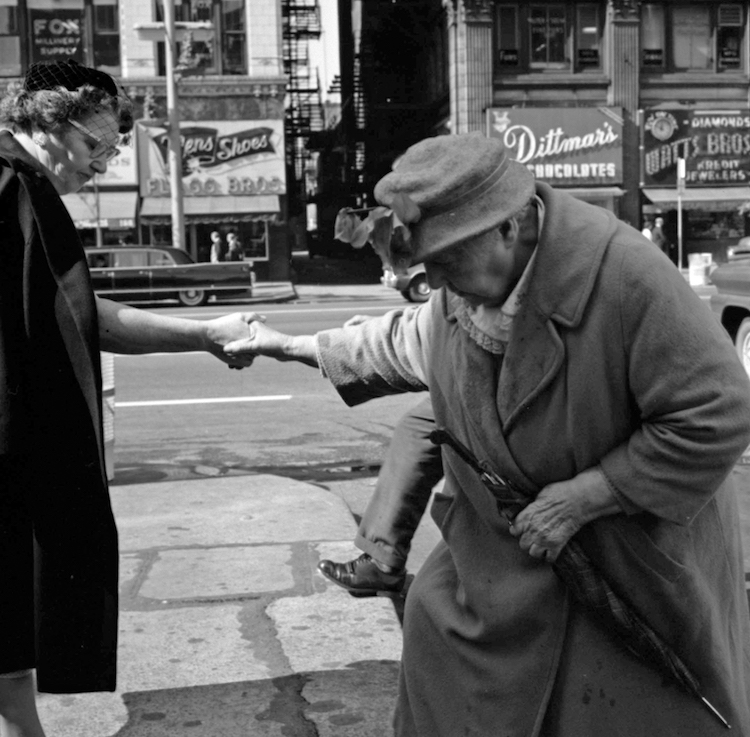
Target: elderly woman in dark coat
[(58, 541)]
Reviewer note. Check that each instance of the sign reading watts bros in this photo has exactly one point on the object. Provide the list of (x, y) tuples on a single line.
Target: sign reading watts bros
[(244, 157), (714, 143), (563, 146)]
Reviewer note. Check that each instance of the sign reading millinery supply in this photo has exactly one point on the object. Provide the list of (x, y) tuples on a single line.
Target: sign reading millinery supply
[(229, 157), (563, 146), (714, 143), (56, 34)]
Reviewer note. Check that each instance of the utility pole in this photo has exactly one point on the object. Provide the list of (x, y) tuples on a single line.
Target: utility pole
[(168, 32), (174, 159)]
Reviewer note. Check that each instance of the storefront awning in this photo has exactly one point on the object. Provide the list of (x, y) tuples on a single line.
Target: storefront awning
[(716, 199), (586, 193), (213, 209), (114, 209)]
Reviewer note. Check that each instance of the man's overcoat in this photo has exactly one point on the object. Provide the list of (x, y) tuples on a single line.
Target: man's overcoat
[(612, 361), (58, 541)]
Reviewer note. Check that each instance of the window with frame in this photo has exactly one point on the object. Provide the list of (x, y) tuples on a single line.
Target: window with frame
[(692, 37), (226, 52), (10, 39), (548, 36), (106, 41)]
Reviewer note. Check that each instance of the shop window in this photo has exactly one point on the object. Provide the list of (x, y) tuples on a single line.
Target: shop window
[(226, 53), (548, 37), (695, 37), (10, 39)]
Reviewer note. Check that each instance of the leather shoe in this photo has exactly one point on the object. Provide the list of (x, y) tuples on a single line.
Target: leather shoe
[(362, 577)]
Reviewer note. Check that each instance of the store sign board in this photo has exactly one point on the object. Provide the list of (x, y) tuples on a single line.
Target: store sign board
[(56, 34), (219, 158), (714, 143), (121, 170), (563, 146)]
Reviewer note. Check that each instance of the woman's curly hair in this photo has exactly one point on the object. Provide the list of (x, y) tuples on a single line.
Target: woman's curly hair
[(49, 110)]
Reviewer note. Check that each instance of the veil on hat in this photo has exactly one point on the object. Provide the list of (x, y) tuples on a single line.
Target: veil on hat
[(68, 74)]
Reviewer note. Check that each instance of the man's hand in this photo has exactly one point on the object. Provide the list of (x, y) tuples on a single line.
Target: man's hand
[(229, 329), (560, 510)]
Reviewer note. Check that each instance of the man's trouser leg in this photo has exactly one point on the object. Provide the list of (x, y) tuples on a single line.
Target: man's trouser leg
[(411, 468)]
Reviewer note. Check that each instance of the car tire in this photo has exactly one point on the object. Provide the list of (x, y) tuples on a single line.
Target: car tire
[(419, 290), (192, 297), (742, 343)]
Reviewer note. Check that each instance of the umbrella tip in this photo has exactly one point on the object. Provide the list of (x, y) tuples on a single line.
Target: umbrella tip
[(715, 712)]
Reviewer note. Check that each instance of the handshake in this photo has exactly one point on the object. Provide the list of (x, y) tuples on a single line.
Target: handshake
[(260, 340)]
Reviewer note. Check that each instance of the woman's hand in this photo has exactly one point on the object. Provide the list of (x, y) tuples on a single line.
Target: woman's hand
[(544, 527)]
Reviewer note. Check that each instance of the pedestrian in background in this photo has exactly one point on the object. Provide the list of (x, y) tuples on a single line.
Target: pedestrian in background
[(234, 252), (218, 249), (648, 229), (660, 239), (58, 540), (622, 438)]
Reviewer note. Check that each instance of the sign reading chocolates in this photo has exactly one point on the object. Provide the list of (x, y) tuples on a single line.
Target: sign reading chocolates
[(563, 146), (714, 143), (218, 158)]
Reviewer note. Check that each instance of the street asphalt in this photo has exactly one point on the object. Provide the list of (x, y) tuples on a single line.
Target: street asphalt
[(227, 629)]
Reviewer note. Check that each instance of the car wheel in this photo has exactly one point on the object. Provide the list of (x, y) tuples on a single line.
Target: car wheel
[(419, 289), (192, 297), (742, 341)]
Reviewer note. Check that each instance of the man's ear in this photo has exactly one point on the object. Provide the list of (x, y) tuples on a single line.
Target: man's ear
[(511, 231)]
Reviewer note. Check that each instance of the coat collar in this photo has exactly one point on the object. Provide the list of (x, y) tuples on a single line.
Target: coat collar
[(571, 247)]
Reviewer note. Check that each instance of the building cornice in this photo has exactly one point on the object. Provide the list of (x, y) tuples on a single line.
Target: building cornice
[(273, 88)]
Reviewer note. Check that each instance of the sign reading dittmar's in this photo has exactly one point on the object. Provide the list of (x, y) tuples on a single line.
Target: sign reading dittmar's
[(563, 146), (714, 143)]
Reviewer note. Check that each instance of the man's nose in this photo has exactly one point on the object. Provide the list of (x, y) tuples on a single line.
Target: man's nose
[(435, 276)]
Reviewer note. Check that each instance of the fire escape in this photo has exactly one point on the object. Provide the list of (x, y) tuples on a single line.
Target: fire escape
[(304, 112)]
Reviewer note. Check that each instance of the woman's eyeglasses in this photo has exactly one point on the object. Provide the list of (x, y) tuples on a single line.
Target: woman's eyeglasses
[(101, 147)]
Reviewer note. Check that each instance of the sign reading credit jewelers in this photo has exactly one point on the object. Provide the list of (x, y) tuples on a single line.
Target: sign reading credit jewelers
[(219, 158), (714, 143), (563, 146)]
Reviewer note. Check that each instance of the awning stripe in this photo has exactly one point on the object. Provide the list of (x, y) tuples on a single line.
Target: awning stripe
[(714, 198), (113, 208), (160, 207)]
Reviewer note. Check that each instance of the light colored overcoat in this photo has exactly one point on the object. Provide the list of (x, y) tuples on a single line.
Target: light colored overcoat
[(613, 360)]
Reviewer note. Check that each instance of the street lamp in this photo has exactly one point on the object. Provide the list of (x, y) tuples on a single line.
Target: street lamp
[(168, 32)]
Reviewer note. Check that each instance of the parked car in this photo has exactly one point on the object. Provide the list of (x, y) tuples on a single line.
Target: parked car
[(131, 273), (412, 285), (731, 302), (742, 248)]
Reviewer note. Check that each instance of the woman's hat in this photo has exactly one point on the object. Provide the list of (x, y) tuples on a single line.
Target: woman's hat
[(464, 185), (46, 75)]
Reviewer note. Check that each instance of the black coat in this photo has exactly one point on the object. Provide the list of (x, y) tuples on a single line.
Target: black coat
[(58, 541)]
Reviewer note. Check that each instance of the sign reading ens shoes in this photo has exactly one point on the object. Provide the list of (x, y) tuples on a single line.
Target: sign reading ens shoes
[(563, 146), (218, 158)]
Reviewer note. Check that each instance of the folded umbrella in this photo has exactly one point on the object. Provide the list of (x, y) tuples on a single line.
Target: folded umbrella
[(587, 585)]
